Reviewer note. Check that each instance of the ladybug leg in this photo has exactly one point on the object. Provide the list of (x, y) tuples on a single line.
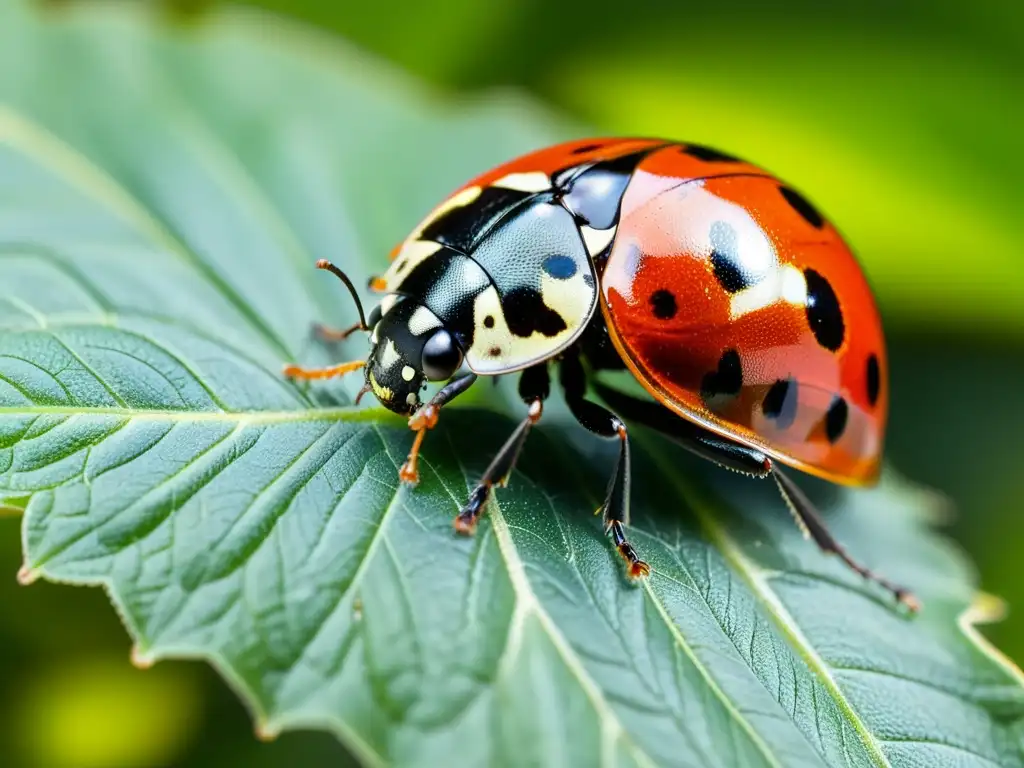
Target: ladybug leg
[(307, 374), (426, 418), (534, 387), (601, 421), (749, 461), (324, 333), (810, 521)]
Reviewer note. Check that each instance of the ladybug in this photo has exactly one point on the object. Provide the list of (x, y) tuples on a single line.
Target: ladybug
[(729, 297)]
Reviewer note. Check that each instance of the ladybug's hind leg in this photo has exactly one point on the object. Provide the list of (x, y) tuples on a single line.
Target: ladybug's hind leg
[(601, 421), (814, 526), (752, 462), (534, 387)]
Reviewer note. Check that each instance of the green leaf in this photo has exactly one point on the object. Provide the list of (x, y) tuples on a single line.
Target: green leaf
[(162, 200)]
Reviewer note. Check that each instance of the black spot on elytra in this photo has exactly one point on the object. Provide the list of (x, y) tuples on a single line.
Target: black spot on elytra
[(727, 380), (725, 261), (823, 312), (400, 266), (835, 419), (663, 304), (494, 351), (585, 148), (779, 403), (803, 206), (489, 321), (526, 313), (874, 379), (709, 155)]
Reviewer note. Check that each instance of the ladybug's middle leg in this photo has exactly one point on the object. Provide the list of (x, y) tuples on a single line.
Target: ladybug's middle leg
[(534, 387), (603, 422)]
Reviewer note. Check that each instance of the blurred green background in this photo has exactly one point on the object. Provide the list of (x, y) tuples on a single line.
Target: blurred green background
[(903, 120)]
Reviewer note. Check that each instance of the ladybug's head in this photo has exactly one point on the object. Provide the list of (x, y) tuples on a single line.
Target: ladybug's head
[(409, 347)]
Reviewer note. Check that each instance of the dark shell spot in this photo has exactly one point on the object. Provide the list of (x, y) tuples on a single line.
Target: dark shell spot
[(727, 380), (803, 206), (823, 312), (726, 273), (489, 321), (585, 148), (559, 266), (725, 260), (588, 279), (494, 351), (835, 419), (709, 155), (779, 403), (526, 312), (663, 304), (400, 266), (874, 379)]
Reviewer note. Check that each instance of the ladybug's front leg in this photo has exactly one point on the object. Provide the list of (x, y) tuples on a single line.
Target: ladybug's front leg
[(309, 374), (534, 387), (603, 422), (426, 418)]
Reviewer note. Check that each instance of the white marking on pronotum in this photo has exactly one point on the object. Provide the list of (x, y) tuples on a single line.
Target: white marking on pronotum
[(387, 303), (596, 240), (411, 255), (408, 373), (411, 398), (531, 181), (422, 320), (389, 356)]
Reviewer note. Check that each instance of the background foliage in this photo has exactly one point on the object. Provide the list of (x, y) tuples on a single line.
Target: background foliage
[(903, 118)]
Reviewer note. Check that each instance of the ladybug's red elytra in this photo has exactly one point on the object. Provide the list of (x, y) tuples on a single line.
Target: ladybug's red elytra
[(724, 291)]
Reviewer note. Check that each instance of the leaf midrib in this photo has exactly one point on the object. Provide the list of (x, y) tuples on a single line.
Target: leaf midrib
[(374, 414)]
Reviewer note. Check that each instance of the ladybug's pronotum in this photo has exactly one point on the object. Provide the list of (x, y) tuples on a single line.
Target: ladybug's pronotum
[(729, 297)]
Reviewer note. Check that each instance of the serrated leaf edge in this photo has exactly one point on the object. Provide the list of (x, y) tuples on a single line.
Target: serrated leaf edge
[(988, 609)]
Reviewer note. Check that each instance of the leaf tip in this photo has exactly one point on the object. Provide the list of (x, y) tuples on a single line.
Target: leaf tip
[(141, 659), (27, 575)]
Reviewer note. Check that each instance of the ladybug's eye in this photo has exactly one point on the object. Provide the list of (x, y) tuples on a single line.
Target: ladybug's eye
[(441, 356)]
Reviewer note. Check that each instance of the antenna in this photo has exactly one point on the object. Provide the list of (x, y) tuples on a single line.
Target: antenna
[(325, 264)]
